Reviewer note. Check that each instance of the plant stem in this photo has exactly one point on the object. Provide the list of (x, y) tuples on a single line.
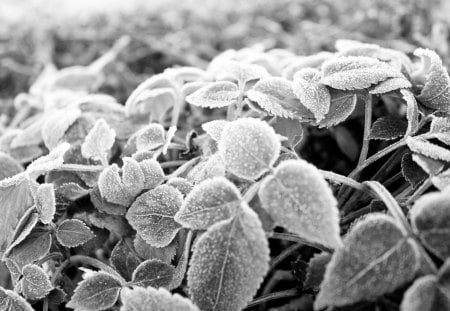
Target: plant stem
[(290, 293), (184, 167), (173, 163), (295, 238), (367, 127), (284, 254), (80, 168), (340, 179), (252, 191), (423, 187)]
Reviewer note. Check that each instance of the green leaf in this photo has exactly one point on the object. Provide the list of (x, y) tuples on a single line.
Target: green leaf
[(154, 273), (425, 148), (356, 72), (98, 291), (430, 217), (229, 263), (434, 77), (45, 202), (146, 251), (341, 107), (11, 301), (124, 260), (312, 94), (388, 128), (214, 95), (249, 147), (299, 199), (143, 299), (276, 96), (316, 270), (376, 259), (8, 166), (35, 282), (73, 233), (98, 141), (152, 215), (209, 202)]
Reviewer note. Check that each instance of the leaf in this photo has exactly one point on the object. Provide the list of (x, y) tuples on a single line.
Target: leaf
[(442, 180), (11, 301), (98, 291), (299, 199), (276, 96), (430, 217), (312, 94), (430, 166), (435, 93), (243, 72), (389, 85), (152, 215), (146, 251), (8, 166), (143, 299), (35, 282), (181, 184), (111, 187), (57, 124), (153, 173), (104, 206), (24, 227), (356, 72), (412, 112), (214, 128), (210, 168), (73, 232), (154, 273), (133, 178), (341, 107), (316, 270), (411, 171), (425, 148), (36, 245), (291, 129), (15, 199), (310, 61), (209, 202), (51, 161), (387, 128), (229, 263), (98, 141), (124, 260), (425, 294), (151, 137), (214, 95), (45, 202), (249, 147), (376, 259)]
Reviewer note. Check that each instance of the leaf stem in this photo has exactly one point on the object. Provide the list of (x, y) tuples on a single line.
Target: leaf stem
[(340, 179), (80, 168), (173, 163), (423, 187), (295, 238), (289, 293), (367, 127), (252, 191)]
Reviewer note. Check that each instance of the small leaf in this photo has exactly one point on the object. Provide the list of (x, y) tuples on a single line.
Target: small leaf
[(390, 85), (299, 199), (214, 128), (210, 168), (425, 148), (249, 147), (316, 270), (8, 166), (312, 94), (229, 263), (153, 273), (143, 299), (291, 129), (341, 107), (434, 77), (376, 259), (151, 215), (99, 291), (133, 178), (73, 232), (425, 294), (214, 95), (442, 180), (36, 245), (124, 260), (153, 173), (151, 137), (209, 202), (387, 128), (181, 184), (98, 141), (430, 217), (411, 171), (49, 162), (11, 301), (104, 206), (430, 166), (111, 187), (412, 112), (146, 251), (57, 124), (356, 72), (35, 282), (45, 202), (24, 227), (276, 96)]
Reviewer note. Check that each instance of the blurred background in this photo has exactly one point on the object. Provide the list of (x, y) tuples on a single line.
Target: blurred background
[(164, 33)]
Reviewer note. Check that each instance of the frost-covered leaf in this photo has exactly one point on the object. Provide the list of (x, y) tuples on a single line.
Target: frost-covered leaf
[(141, 299), (390, 85), (412, 111), (376, 259), (154, 273), (426, 294), (152, 215), (212, 167), (45, 202), (430, 217), (244, 72), (133, 178), (276, 96), (99, 291), (8, 166), (387, 128), (356, 72), (111, 187), (428, 165), (36, 245), (153, 173), (341, 107), (214, 95), (411, 171), (425, 148), (104, 206), (214, 128), (181, 184), (124, 260), (434, 77), (98, 141), (57, 124), (440, 125), (311, 61), (229, 263), (312, 94), (316, 270), (209, 202), (35, 282), (299, 199), (146, 251), (11, 301), (23, 228), (249, 147), (15, 199), (49, 162), (442, 180), (291, 129), (73, 232), (151, 137)]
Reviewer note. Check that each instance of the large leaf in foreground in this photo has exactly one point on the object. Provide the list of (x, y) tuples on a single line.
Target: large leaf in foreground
[(11, 301), (299, 199), (376, 259), (229, 263)]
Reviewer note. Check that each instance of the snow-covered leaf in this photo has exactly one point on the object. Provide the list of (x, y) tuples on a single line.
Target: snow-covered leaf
[(154, 273), (214, 95), (249, 147), (376, 259), (212, 167), (24, 227), (299, 199), (229, 263), (49, 162), (442, 181), (181, 184), (35, 282), (389, 85), (153, 173), (152, 215), (412, 171), (310, 61), (430, 166), (11, 301), (111, 187), (98, 141), (388, 128), (151, 137), (45, 202), (341, 107), (425, 148), (133, 178), (36, 245), (73, 232)]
